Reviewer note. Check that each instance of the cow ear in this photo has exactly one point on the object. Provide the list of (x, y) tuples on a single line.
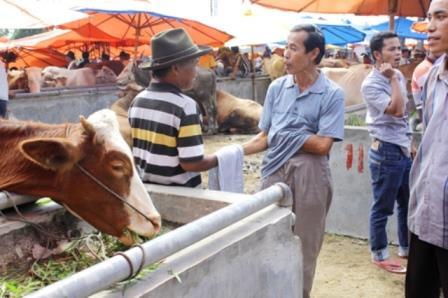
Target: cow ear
[(90, 130), (88, 127), (55, 154)]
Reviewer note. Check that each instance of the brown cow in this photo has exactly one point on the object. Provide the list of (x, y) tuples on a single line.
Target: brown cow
[(237, 115), (53, 76), (28, 79), (87, 167), (274, 66), (350, 79)]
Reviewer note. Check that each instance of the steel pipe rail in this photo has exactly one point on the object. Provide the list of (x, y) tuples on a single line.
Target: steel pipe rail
[(117, 268), (15, 199)]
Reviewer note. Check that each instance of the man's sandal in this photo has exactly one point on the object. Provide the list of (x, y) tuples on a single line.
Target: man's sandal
[(391, 266)]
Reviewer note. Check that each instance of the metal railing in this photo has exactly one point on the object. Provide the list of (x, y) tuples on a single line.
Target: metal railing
[(117, 268)]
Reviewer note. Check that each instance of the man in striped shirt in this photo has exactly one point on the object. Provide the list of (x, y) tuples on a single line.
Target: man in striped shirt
[(166, 130)]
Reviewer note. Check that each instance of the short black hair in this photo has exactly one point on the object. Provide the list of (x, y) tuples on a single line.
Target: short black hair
[(377, 41), (161, 73), (314, 40), (85, 55), (71, 55), (235, 49)]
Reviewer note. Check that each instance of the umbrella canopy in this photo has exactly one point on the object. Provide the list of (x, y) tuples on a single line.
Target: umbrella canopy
[(28, 14), (140, 21), (37, 57), (421, 26), (416, 8), (403, 28), (336, 33), (58, 38)]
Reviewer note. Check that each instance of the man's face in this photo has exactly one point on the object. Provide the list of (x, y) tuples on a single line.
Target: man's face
[(390, 53), (438, 26), (296, 58), (187, 73)]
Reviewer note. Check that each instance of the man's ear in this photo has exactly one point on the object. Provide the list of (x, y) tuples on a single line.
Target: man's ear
[(55, 154), (376, 55)]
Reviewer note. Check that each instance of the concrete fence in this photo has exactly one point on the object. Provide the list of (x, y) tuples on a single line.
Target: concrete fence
[(245, 249), (349, 212)]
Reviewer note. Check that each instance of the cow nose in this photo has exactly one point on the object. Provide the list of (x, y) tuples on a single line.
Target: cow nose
[(156, 221)]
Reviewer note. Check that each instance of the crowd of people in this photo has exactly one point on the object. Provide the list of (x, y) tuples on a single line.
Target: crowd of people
[(302, 117), (74, 63)]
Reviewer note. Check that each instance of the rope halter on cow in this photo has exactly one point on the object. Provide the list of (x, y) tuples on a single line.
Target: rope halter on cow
[(102, 185)]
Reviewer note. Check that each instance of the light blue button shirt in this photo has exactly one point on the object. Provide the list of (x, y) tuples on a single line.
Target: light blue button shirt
[(428, 180), (376, 91), (290, 117)]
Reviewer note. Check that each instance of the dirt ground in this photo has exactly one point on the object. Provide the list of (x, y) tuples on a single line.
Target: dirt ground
[(344, 268)]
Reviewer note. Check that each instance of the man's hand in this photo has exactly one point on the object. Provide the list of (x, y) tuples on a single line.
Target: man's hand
[(387, 70), (413, 151)]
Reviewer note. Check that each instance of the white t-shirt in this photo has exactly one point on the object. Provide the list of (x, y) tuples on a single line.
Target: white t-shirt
[(3, 82)]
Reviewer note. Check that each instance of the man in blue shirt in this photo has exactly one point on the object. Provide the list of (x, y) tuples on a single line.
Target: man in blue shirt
[(428, 203), (384, 91), (302, 116)]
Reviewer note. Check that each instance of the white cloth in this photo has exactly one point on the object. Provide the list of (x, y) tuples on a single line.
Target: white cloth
[(228, 175), (3, 82)]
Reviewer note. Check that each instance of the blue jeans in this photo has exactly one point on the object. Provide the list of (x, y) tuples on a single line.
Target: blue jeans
[(389, 168)]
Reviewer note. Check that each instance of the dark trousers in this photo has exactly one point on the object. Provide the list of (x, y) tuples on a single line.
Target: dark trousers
[(3, 108), (427, 270)]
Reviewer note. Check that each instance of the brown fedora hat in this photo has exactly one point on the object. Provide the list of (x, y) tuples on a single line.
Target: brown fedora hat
[(172, 46)]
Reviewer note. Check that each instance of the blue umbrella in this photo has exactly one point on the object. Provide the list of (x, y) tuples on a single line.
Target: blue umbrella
[(402, 28), (336, 33)]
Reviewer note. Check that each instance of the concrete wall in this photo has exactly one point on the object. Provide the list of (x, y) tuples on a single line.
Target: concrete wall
[(246, 87), (256, 257), (60, 106), (349, 212), (65, 105)]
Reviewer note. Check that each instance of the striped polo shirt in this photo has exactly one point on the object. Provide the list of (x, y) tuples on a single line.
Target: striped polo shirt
[(166, 129)]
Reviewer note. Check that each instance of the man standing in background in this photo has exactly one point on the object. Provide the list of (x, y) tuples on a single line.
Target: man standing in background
[(384, 91)]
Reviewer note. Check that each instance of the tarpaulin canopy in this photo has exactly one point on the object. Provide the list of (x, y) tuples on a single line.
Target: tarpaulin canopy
[(60, 37), (28, 14), (421, 26), (37, 57), (403, 28), (336, 33), (411, 8), (138, 20)]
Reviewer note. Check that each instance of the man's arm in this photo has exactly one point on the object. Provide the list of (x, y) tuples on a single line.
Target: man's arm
[(396, 106), (256, 144), (317, 145), (205, 164)]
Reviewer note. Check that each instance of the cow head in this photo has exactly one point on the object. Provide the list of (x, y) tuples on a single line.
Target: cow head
[(132, 74), (105, 75), (93, 166)]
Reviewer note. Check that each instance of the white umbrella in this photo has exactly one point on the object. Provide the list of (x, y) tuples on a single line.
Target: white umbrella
[(31, 14)]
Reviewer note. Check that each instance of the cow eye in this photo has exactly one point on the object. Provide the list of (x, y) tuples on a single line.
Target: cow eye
[(117, 165)]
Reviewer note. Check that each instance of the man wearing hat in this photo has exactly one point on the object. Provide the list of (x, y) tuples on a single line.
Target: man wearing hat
[(166, 126)]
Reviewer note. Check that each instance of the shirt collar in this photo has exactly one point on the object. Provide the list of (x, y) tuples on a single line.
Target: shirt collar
[(442, 74), (317, 87), (164, 87)]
